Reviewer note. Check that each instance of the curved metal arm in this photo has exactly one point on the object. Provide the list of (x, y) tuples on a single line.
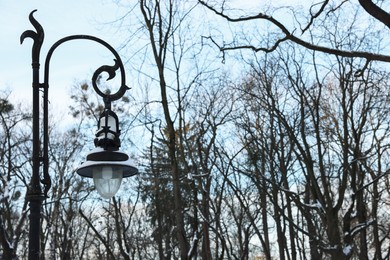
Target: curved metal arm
[(38, 37), (105, 68)]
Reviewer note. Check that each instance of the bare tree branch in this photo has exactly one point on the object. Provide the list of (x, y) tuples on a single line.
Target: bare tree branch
[(376, 12), (314, 16), (291, 37), (105, 242)]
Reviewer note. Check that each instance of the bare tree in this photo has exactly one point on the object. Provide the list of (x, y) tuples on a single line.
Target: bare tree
[(160, 23), (63, 233), (324, 136), (13, 183)]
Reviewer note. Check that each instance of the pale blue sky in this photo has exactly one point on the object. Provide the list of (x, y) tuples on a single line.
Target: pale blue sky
[(72, 62)]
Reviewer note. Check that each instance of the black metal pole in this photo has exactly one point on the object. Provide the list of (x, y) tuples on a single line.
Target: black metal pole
[(35, 195)]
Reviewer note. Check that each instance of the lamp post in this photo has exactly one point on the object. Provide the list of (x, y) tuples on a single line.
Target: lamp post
[(106, 164)]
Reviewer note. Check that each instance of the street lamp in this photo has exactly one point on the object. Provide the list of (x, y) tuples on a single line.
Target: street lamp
[(106, 164)]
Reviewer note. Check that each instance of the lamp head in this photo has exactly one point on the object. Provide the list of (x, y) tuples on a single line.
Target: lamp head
[(106, 164)]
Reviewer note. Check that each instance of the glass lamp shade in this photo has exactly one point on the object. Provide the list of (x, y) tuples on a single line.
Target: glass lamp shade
[(107, 180), (107, 168)]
